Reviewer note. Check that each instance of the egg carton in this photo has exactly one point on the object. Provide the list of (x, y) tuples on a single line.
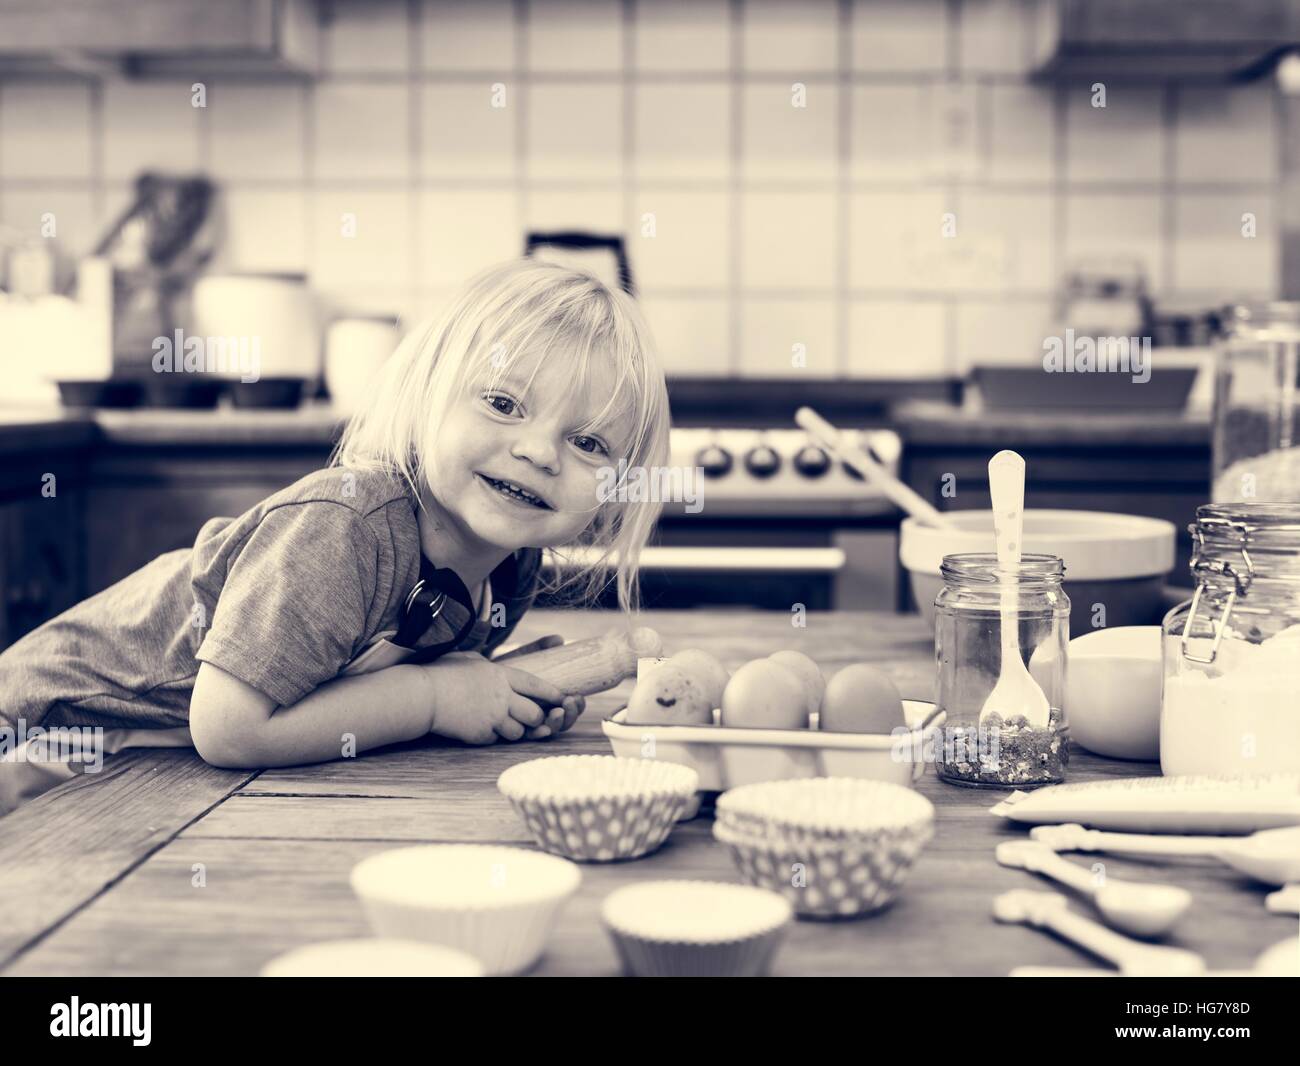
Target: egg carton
[(727, 756)]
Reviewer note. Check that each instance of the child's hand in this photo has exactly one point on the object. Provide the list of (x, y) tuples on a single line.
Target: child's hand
[(478, 701), (558, 719)]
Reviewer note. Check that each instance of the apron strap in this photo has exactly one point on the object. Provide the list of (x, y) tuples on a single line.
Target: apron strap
[(430, 595)]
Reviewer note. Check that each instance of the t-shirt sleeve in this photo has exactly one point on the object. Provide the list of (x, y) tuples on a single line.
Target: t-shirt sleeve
[(295, 600)]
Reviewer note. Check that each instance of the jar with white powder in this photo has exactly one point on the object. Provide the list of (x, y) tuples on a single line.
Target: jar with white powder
[(1231, 697)]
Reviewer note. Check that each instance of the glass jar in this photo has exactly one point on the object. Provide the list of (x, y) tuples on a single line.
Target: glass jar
[(985, 750), (1230, 700), (1256, 421)]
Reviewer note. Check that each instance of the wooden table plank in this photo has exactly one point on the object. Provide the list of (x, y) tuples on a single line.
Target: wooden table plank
[(63, 848)]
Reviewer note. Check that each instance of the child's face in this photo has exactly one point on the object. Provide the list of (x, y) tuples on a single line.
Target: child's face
[(533, 441)]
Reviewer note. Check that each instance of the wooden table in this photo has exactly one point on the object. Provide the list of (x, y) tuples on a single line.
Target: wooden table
[(163, 865)]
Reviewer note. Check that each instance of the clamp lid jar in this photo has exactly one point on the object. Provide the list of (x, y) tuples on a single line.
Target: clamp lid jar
[(1230, 702)]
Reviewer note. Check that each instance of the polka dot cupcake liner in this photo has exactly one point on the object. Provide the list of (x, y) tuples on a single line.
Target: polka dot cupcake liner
[(599, 808), (827, 879)]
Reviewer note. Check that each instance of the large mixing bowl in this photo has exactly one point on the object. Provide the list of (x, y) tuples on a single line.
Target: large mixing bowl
[(1116, 560)]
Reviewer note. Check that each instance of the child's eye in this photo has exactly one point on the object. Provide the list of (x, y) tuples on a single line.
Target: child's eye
[(501, 403), (591, 445)]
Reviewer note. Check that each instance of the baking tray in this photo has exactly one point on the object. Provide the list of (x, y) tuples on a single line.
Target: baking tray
[(726, 757)]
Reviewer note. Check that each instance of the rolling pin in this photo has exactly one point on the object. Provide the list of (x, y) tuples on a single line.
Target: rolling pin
[(593, 665)]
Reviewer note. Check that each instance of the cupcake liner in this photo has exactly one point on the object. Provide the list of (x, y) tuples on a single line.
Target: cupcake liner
[(832, 846), (373, 957), (599, 808), (440, 894), (695, 928)]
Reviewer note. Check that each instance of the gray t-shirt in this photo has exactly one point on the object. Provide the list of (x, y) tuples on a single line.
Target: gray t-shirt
[(282, 597)]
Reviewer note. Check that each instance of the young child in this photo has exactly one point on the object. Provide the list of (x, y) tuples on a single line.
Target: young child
[(296, 633)]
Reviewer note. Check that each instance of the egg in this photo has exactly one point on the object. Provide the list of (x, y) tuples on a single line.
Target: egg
[(763, 694), (668, 695), (808, 673), (705, 669), (861, 699)]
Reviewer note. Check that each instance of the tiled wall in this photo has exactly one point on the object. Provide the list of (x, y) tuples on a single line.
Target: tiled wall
[(774, 225)]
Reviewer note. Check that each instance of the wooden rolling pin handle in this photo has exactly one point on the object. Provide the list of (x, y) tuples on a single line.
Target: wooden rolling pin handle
[(586, 667)]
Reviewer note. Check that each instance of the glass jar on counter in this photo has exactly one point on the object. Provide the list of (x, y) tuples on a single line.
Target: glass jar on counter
[(986, 750), (1230, 701), (1256, 420)]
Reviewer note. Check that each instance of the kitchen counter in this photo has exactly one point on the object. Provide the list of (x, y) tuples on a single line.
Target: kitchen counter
[(113, 860), (925, 423)]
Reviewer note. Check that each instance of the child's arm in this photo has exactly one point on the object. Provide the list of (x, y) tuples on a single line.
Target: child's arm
[(462, 696)]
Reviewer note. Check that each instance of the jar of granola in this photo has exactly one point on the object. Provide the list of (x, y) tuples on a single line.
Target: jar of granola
[(983, 750)]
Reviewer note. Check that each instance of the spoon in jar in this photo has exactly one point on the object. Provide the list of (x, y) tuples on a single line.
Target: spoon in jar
[(1016, 693), (1047, 910), (1270, 855), (1142, 910)]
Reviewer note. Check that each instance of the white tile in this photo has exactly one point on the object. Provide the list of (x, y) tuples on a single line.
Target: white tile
[(997, 36), (1226, 135), (683, 131), (790, 36), (461, 35), (1211, 252), (897, 339), (896, 241), (348, 300), (683, 35), (790, 339), (149, 125), (379, 249), (691, 333), (565, 36), (583, 209), (1021, 134), (893, 134), (1122, 225), (65, 215), (788, 240), (266, 230), (575, 131), (44, 130), (368, 37), (362, 131), (426, 305), (681, 239), (1002, 333), (463, 135), (256, 130), (781, 141), (1121, 142), (1012, 230), (900, 35), (463, 232)]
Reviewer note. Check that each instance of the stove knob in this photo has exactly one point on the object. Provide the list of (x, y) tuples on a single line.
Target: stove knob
[(812, 461), (762, 461), (714, 460)]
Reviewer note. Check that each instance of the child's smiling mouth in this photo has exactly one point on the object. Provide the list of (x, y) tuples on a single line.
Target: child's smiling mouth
[(515, 493)]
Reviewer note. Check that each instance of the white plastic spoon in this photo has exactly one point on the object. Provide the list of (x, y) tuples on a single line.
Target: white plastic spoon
[(1047, 910), (1270, 855), (1016, 691), (1142, 910), (1281, 960)]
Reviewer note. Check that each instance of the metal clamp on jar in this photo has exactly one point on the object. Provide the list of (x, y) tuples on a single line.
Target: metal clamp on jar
[(1230, 702)]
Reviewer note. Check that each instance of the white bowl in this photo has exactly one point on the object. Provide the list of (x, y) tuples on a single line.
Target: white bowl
[(1117, 560), (1112, 691), (494, 903), (372, 957)]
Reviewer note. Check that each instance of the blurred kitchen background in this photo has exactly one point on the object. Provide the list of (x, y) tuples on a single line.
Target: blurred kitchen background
[(880, 208)]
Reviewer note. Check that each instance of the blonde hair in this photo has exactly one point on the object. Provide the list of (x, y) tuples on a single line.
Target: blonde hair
[(499, 315)]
